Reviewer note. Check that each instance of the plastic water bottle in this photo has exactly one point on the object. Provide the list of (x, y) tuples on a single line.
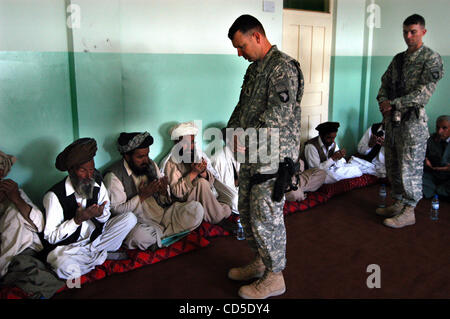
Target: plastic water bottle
[(434, 213), (382, 195), (240, 231)]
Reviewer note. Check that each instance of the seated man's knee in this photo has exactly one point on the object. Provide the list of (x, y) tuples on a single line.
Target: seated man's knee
[(320, 176), (195, 210), (142, 236), (202, 183), (125, 220), (63, 265)]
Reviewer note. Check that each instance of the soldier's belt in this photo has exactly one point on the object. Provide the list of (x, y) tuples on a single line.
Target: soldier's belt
[(283, 182)]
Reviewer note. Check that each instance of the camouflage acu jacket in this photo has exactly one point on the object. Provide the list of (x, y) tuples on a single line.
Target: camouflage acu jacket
[(421, 70), (270, 98)]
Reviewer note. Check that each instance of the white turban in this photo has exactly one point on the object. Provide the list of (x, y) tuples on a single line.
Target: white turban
[(183, 129), (6, 161)]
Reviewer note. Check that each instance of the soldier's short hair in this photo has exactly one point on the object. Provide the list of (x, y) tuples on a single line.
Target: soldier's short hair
[(245, 23), (443, 118), (414, 19)]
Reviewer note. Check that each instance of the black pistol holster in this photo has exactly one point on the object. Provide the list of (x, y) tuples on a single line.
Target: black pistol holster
[(283, 183)]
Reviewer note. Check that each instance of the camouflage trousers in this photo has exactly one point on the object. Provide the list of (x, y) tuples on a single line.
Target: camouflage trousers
[(262, 220), (405, 148)]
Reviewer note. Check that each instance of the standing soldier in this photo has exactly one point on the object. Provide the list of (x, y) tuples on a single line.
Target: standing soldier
[(270, 99), (406, 87)]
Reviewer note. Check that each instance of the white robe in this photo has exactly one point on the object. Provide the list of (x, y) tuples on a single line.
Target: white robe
[(336, 170), (80, 257), (17, 234), (376, 166), (152, 218), (218, 184), (224, 163)]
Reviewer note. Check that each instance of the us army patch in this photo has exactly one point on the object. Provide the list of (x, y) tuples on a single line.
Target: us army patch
[(435, 73), (284, 96)]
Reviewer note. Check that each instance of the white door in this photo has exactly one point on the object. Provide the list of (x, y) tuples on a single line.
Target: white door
[(307, 38)]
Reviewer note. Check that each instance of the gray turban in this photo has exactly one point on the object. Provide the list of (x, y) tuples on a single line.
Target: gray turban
[(128, 142)]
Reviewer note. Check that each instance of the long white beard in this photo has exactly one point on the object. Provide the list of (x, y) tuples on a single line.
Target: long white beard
[(85, 190)]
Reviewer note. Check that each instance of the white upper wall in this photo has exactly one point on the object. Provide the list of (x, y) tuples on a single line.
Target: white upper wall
[(32, 25), (388, 39), (352, 26), (190, 26), (350, 23), (131, 26)]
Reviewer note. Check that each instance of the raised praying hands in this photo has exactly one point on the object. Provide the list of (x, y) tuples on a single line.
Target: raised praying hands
[(9, 189), (338, 154), (84, 214), (199, 167), (374, 140)]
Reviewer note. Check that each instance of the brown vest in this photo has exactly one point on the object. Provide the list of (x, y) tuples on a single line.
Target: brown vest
[(315, 142)]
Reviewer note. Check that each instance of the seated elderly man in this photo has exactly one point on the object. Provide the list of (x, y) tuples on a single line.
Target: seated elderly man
[(78, 226), (370, 157), (191, 175), (323, 152), (20, 219), (135, 185), (436, 176)]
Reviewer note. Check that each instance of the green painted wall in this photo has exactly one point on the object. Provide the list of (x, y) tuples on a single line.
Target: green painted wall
[(100, 101), (152, 92), (35, 115), (161, 89), (114, 93), (345, 99)]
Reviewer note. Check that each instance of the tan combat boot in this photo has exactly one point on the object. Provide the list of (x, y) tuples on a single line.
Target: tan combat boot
[(271, 284), (253, 270), (406, 218), (390, 211)]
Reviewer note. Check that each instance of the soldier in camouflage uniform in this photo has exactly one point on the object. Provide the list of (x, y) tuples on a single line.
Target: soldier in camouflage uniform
[(406, 88), (270, 98)]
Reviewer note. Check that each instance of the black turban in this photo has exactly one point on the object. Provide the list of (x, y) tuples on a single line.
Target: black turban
[(79, 152), (327, 127), (128, 142)]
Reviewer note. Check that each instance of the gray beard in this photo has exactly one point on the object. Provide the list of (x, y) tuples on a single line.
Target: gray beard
[(85, 189)]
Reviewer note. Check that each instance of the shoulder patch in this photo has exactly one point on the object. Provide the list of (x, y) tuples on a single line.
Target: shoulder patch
[(436, 73), (284, 96)]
